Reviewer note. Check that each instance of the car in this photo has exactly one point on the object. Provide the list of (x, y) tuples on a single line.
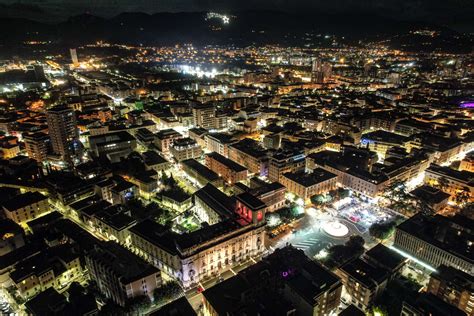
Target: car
[(200, 289)]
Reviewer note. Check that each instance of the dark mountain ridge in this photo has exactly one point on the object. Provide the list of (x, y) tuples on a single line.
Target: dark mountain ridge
[(245, 28)]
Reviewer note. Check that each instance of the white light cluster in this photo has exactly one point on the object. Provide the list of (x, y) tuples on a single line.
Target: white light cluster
[(213, 15), (197, 71)]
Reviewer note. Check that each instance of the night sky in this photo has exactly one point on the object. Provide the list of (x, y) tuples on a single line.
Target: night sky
[(441, 11), (410, 7)]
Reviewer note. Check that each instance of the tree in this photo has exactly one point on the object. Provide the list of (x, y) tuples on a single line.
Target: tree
[(356, 243), (398, 290), (318, 199), (138, 304), (442, 183), (76, 290), (343, 193), (423, 207), (341, 254), (382, 230), (168, 291), (112, 309), (378, 311), (168, 181), (396, 190), (462, 196), (468, 210)]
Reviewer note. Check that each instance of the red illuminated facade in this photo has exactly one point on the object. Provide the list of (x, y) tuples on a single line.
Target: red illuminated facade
[(250, 208)]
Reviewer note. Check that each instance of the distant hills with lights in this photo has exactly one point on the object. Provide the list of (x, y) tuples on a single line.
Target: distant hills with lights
[(244, 28)]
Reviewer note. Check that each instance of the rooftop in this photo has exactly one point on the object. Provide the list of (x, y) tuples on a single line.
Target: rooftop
[(200, 169), (117, 220), (199, 131), (227, 162), (367, 274), (464, 176), (186, 141), (250, 147), (454, 234), (126, 265), (217, 200), (456, 278), (121, 136), (9, 227), (429, 304), (179, 307), (48, 302), (152, 158), (23, 200), (167, 133), (309, 179), (385, 257), (251, 201), (221, 137), (286, 266), (384, 136), (351, 310), (430, 194), (197, 240), (54, 258), (267, 188)]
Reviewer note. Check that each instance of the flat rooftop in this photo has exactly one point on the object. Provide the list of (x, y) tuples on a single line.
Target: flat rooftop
[(200, 169), (309, 179), (232, 165), (23, 200), (125, 264)]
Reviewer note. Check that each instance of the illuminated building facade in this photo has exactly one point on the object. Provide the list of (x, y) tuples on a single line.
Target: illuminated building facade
[(285, 282), (249, 154), (449, 244), (185, 148), (229, 170), (306, 185), (25, 207), (204, 115), (283, 162), (37, 145), (165, 138), (120, 274), (204, 253), (454, 287), (53, 267), (218, 143), (62, 129)]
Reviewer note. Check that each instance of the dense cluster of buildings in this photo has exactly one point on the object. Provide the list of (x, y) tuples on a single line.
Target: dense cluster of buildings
[(128, 179)]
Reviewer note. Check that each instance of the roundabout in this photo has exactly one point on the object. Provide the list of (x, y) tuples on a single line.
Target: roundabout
[(335, 229)]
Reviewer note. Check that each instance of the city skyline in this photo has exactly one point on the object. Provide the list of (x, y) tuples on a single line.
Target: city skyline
[(307, 158), (441, 12)]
